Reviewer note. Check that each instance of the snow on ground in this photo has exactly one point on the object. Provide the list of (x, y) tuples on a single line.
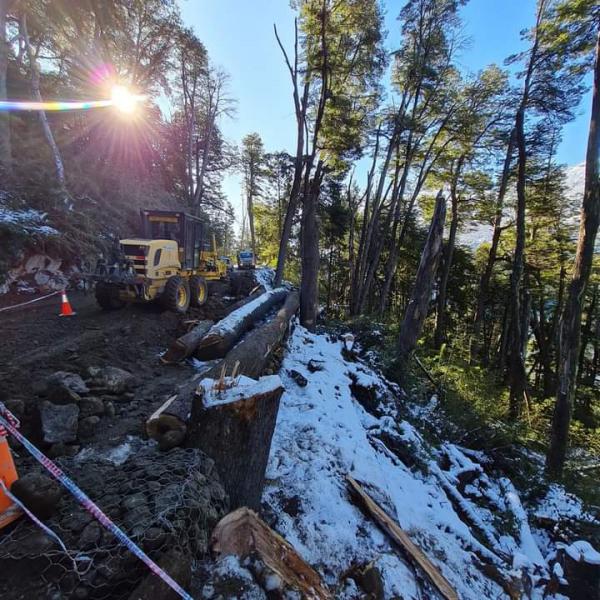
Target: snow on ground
[(26, 221), (323, 433), (264, 276)]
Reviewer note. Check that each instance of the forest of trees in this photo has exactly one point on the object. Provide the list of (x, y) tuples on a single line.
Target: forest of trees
[(396, 156)]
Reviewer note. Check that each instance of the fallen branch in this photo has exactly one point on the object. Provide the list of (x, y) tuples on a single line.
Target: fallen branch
[(242, 533), (416, 556), (222, 336), (427, 373)]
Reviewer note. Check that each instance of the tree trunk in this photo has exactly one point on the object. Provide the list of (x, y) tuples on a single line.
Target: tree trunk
[(251, 216), (440, 326), (234, 426), (37, 96), (516, 373), (169, 424), (587, 330), (254, 352), (309, 289), (5, 147), (571, 320), (223, 336), (290, 213), (186, 345), (416, 311), (486, 276)]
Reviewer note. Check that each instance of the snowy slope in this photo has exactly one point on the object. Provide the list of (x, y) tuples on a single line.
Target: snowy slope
[(324, 433)]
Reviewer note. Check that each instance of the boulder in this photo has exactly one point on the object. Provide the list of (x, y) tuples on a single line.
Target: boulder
[(59, 422), (87, 426), (91, 406), (113, 380), (63, 387), (38, 492)]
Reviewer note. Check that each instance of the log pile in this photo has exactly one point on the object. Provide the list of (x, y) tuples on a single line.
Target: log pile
[(169, 423), (222, 337)]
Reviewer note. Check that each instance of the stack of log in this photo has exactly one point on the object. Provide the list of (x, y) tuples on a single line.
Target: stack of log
[(236, 429)]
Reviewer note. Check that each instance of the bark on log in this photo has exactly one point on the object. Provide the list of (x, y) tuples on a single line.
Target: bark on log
[(222, 337), (185, 345), (413, 552), (253, 353), (242, 533), (581, 565), (234, 426)]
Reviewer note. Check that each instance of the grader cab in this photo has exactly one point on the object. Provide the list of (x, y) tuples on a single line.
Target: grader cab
[(171, 262)]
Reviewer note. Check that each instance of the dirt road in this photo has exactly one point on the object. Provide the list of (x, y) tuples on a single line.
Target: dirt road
[(36, 342)]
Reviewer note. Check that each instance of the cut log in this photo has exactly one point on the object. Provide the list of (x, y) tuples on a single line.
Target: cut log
[(242, 533), (185, 345), (253, 353), (581, 564), (168, 424), (222, 337), (250, 357), (233, 422), (259, 290), (416, 556)]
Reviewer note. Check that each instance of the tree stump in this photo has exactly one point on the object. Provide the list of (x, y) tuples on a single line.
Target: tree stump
[(233, 422)]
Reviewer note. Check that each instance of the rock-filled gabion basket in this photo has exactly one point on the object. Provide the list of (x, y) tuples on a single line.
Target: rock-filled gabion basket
[(164, 501)]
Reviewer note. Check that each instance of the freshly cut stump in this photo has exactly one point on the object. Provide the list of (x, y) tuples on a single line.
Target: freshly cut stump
[(233, 422)]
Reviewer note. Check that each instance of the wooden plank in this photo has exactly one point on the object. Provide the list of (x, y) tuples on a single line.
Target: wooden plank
[(413, 552)]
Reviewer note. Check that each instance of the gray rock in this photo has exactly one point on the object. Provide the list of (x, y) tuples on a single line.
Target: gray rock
[(90, 536), (91, 406), (63, 380), (87, 426), (38, 492), (109, 409), (59, 422), (16, 406), (113, 380), (63, 396)]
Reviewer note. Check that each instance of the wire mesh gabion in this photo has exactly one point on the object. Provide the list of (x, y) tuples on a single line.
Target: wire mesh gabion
[(163, 501)]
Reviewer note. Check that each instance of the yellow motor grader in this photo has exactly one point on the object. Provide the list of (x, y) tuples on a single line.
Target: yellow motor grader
[(171, 263)]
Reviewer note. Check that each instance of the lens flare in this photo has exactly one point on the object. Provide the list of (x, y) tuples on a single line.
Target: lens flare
[(53, 106), (123, 100)]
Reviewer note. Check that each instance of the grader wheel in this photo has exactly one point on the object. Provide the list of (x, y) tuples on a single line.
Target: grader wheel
[(176, 296), (198, 290)]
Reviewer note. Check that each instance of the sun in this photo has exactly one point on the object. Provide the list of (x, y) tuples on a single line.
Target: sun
[(123, 100)]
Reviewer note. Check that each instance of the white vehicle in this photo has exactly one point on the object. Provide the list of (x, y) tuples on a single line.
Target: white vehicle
[(246, 259)]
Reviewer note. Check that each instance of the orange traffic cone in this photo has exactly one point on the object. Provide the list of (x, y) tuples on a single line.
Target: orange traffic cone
[(8, 474), (65, 306)]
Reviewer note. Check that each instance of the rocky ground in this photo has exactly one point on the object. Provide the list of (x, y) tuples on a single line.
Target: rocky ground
[(83, 387)]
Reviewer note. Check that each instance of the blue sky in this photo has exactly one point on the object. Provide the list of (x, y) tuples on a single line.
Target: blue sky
[(238, 35)]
